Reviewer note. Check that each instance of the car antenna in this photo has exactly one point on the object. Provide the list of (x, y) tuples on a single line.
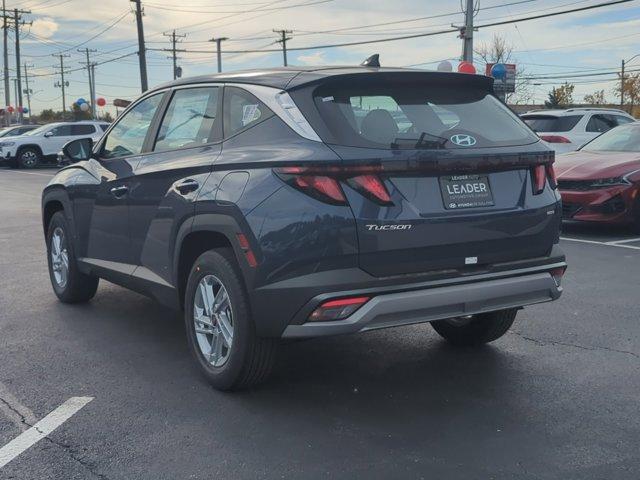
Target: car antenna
[(372, 61)]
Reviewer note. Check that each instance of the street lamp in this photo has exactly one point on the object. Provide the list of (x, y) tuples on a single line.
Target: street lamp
[(622, 78)]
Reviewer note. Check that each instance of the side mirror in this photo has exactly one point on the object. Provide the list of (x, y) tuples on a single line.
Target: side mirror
[(48, 134), (78, 150)]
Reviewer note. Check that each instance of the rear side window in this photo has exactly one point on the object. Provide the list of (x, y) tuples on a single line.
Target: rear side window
[(550, 123), (601, 123), (417, 115), (242, 110), (62, 131), (620, 120), (104, 126), (190, 119), (83, 129)]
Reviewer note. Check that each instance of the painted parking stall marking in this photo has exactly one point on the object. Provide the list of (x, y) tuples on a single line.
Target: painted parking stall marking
[(619, 243), (42, 428)]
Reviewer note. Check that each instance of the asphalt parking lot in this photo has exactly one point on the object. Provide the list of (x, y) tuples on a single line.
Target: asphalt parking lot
[(557, 398)]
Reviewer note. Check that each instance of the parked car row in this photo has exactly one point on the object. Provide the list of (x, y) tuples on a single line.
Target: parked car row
[(28, 146), (600, 182), (568, 130)]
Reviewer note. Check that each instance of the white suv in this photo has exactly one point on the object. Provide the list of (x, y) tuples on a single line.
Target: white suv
[(44, 143), (568, 130)]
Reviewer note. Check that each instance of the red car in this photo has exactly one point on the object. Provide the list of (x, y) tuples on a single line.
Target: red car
[(601, 181)]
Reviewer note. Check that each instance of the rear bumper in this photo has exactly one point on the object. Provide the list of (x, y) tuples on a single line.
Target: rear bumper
[(426, 305)]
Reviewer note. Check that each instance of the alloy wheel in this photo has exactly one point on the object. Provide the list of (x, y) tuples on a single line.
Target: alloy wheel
[(29, 158), (59, 257), (213, 320)]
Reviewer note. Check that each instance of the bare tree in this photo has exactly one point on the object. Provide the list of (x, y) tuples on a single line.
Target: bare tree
[(595, 98), (499, 50)]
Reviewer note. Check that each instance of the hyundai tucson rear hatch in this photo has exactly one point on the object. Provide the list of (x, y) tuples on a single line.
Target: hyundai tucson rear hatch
[(439, 174)]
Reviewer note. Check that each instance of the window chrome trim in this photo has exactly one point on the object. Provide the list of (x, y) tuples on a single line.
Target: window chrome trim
[(281, 103)]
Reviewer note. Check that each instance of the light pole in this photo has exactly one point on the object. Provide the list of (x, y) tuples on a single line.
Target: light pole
[(624, 62)]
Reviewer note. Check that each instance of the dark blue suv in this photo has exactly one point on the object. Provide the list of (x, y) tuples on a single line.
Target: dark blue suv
[(289, 203)]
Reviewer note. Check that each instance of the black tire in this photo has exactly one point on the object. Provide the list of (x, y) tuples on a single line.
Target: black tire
[(28, 157), (479, 329), (250, 359), (78, 287)]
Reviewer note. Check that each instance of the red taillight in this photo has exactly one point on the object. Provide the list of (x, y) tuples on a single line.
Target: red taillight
[(555, 139), (372, 187), (337, 309), (551, 173), (323, 183), (324, 186), (321, 187), (539, 178)]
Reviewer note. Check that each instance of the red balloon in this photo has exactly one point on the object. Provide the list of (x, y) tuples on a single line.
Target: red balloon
[(101, 102), (466, 67), (11, 109)]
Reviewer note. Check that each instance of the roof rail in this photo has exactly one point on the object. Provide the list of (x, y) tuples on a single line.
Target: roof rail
[(575, 109)]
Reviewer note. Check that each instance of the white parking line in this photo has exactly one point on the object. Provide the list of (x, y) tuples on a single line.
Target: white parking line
[(41, 429), (594, 242), (628, 240), (30, 173)]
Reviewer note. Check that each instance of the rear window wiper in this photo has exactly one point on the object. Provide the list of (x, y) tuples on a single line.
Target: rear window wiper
[(437, 144)]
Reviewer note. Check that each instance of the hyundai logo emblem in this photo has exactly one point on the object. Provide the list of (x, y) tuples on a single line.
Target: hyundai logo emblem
[(463, 140)]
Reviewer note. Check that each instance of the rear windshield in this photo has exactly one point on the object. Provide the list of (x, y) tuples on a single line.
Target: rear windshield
[(418, 116), (549, 123)]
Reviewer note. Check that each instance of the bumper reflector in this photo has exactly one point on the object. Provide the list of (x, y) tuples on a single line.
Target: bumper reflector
[(557, 274), (337, 309)]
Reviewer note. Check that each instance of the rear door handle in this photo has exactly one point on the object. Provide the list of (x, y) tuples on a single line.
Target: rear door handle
[(120, 191), (187, 186)]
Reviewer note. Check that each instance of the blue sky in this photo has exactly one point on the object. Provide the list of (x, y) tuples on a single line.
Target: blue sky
[(573, 44)]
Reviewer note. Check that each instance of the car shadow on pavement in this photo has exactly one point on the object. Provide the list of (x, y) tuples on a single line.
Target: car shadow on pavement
[(597, 232)]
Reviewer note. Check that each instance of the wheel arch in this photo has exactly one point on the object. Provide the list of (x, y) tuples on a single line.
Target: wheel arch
[(55, 199), (207, 232), (29, 145)]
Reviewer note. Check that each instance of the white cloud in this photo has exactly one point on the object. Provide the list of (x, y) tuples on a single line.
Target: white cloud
[(45, 27), (316, 58)]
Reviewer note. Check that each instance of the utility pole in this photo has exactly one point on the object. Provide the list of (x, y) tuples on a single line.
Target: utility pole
[(218, 41), (93, 91), (27, 90), (142, 55), (283, 40), (466, 32), (17, 22), (87, 52), (62, 84), (7, 91), (622, 85), (174, 40)]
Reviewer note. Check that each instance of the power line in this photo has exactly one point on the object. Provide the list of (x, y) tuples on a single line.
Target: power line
[(424, 34)]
